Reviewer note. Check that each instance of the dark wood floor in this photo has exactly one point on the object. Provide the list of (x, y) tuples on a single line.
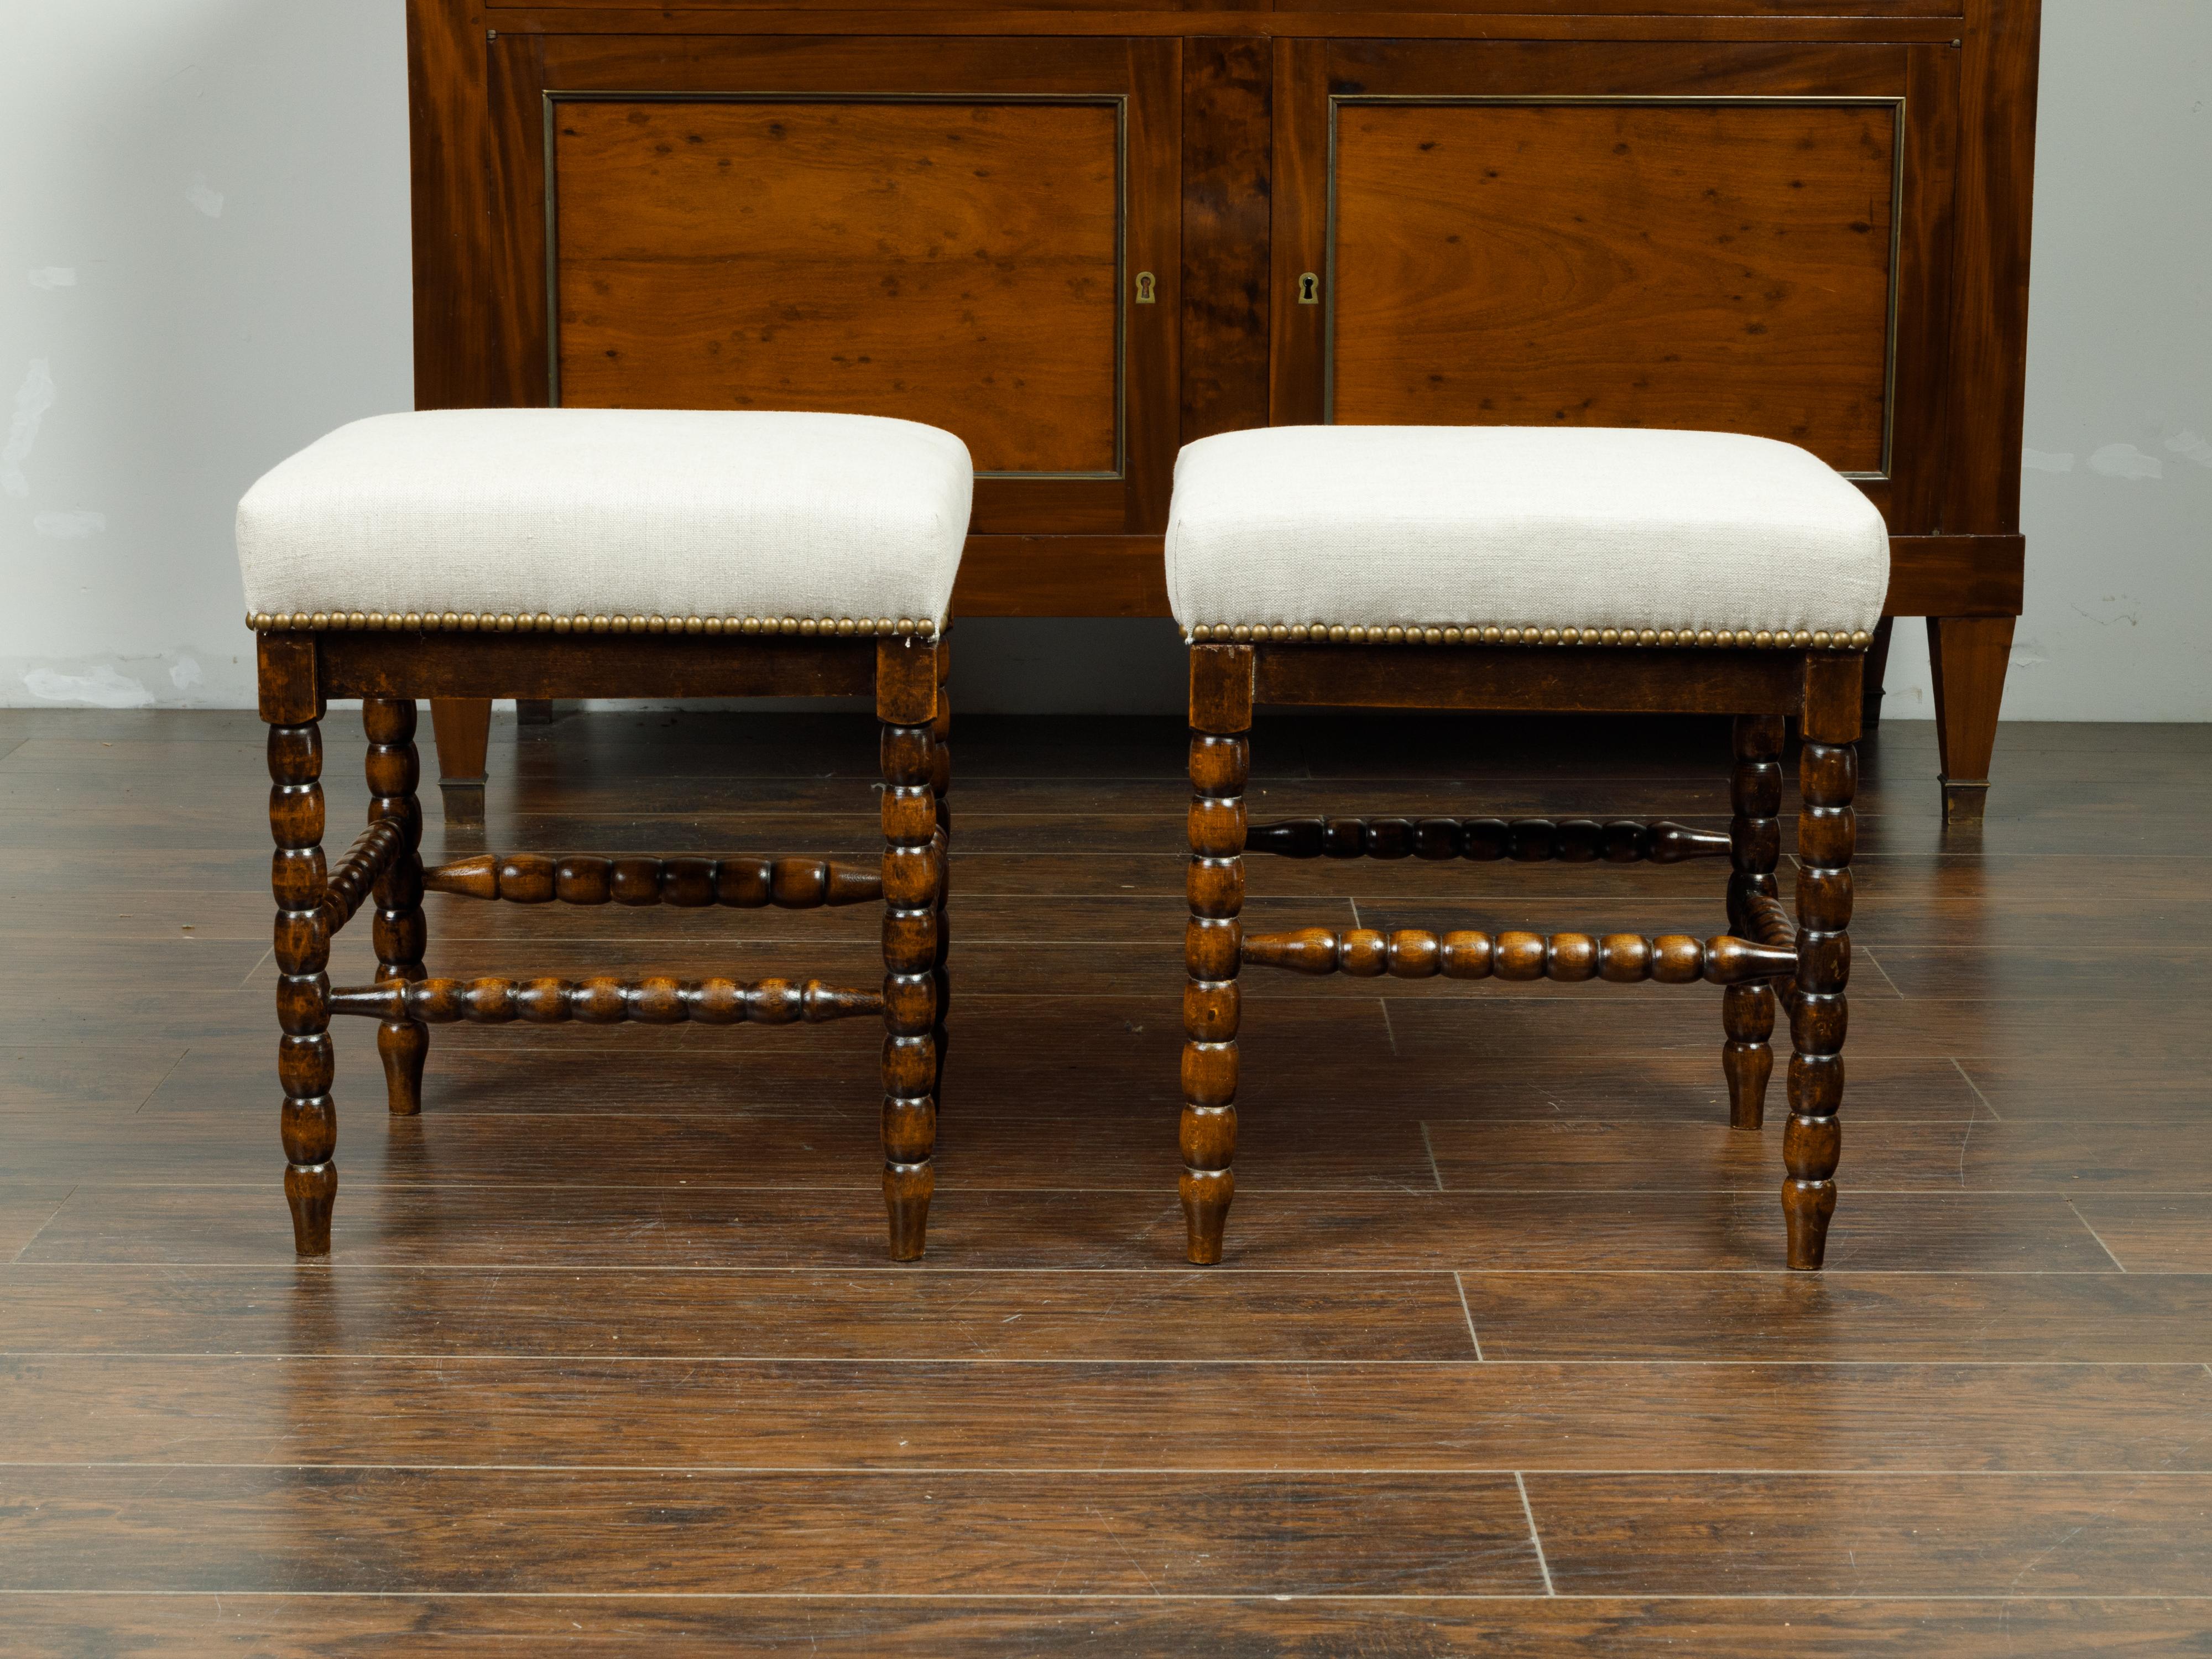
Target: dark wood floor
[(1501, 1359)]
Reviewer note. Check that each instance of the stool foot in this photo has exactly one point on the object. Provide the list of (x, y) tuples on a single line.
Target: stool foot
[(1806, 1207), (311, 1189), (906, 1190), (1206, 1196), (1746, 1058), (403, 1045)]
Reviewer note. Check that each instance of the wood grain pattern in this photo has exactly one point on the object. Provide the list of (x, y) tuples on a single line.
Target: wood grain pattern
[(1350, 1415), (1039, 77), (665, 1266), (1941, 1627), (1971, 1317), (1716, 266), (463, 350), (1805, 1534), (948, 263), (1227, 183), (762, 1534), (641, 1312)]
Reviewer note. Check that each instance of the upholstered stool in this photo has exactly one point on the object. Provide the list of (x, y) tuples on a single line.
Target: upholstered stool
[(600, 553), (1536, 568)]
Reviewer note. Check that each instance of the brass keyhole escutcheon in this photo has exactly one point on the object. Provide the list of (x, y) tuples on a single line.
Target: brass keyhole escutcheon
[(1309, 289), (1144, 288)]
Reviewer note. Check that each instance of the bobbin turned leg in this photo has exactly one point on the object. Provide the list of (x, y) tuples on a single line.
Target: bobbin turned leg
[(299, 879), (1827, 774), (394, 773), (940, 780), (1754, 849), (914, 873), (1220, 762)]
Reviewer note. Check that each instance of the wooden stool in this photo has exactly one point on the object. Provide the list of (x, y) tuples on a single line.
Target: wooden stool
[(1532, 568), (600, 553)]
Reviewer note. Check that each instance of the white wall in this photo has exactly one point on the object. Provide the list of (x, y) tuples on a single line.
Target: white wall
[(2117, 498), (203, 266)]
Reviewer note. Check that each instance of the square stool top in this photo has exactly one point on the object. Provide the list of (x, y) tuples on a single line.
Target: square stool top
[(1503, 534), (571, 512)]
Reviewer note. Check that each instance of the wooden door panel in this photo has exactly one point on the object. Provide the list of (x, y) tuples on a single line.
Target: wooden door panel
[(978, 233), (1721, 265), (1745, 238), (949, 262)]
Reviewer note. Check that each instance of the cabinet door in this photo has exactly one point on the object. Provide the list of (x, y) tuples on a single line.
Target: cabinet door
[(1744, 238), (976, 233)]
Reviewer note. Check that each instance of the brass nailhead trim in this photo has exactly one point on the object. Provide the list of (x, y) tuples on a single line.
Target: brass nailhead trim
[(1818, 639), (471, 622)]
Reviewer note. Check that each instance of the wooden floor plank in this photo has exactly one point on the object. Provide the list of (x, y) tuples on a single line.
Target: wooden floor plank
[(1281, 1416), (545, 1532), (352, 1307), (1828, 1534), (2168, 1233), (734, 1134), (1931, 1317), (747, 1146), (25, 1208), (610, 1351), (1881, 1155), (1140, 1627), (2089, 1082), (50, 1085)]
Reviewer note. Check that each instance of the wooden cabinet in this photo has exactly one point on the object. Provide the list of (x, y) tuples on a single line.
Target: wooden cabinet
[(1598, 234), (1082, 235), (978, 233)]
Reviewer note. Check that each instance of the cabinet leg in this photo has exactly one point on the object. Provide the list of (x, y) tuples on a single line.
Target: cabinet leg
[(463, 728), (1968, 655), (1877, 665)]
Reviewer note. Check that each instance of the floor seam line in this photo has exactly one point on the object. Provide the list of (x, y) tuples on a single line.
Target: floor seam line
[(1469, 1312), (1975, 1087), (1529, 1509), (2076, 1210)]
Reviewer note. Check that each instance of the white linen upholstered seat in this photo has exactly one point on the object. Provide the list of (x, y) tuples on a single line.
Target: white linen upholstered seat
[(1513, 534), (560, 514)]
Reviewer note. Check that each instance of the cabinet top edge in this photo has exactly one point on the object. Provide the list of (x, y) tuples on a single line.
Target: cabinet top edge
[(1706, 23), (1207, 16)]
